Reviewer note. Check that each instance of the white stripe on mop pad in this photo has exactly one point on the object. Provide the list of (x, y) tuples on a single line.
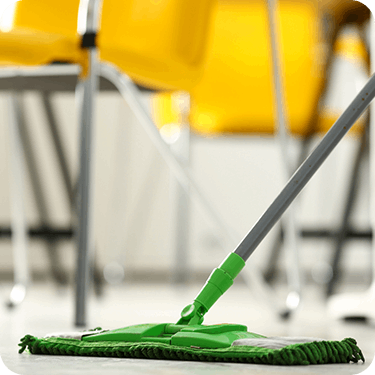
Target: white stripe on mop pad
[(274, 342)]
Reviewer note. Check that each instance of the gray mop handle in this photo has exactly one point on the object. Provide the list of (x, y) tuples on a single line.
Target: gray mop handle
[(307, 169)]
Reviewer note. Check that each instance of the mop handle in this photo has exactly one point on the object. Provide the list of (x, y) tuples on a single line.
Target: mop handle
[(306, 171)]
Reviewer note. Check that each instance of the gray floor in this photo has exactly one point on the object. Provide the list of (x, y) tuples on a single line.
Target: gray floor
[(45, 310)]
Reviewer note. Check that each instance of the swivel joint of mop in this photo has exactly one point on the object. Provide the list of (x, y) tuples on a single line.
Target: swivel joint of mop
[(220, 280)]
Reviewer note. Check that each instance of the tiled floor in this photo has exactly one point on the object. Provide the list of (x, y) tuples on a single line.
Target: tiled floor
[(45, 311)]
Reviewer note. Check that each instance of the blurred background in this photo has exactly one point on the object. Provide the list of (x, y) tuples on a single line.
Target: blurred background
[(133, 207), (240, 172)]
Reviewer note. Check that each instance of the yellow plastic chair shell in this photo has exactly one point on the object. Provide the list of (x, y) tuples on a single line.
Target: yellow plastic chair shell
[(235, 94), (159, 43), (42, 33)]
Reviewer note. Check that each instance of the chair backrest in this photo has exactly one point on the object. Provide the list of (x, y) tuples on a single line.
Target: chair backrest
[(158, 43), (58, 17), (235, 94)]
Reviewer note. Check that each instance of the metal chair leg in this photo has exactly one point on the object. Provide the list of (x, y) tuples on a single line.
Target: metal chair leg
[(88, 25), (85, 241), (289, 220), (70, 190), (181, 270), (39, 194), (59, 147), (180, 147), (344, 225), (271, 271), (361, 305), (18, 218)]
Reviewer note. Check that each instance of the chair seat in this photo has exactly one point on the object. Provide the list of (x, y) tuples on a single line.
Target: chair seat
[(31, 47), (166, 114), (163, 73)]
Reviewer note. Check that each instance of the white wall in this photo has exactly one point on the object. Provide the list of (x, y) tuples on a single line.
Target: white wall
[(241, 176)]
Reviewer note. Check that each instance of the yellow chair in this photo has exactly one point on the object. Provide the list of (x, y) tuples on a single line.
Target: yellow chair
[(236, 107), (35, 34), (161, 44), (158, 44), (235, 93)]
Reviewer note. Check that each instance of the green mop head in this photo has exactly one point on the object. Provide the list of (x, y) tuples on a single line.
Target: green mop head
[(255, 349), (189, 340)]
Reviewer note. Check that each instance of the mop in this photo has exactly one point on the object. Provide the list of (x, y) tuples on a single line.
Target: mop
[(189, 339)]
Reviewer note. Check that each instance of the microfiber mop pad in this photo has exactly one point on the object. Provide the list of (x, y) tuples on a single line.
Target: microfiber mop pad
[(189, 339), (261, 350)]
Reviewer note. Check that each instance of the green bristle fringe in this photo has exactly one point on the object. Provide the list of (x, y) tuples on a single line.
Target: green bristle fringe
[(317, 352)]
